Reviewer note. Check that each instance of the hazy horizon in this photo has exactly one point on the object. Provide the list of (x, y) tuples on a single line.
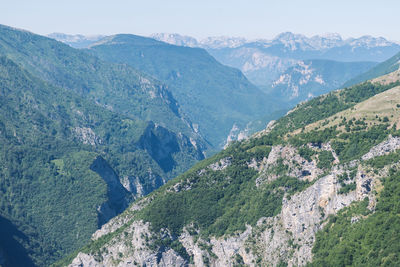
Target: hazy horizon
[(251, 20)]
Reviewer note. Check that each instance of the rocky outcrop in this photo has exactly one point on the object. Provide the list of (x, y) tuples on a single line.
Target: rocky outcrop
[(390, 145), (221, 164), (288, 156), (131, 249), (87, 136)]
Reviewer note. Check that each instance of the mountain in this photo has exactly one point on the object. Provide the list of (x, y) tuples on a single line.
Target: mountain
[(69, 165), (81, 139), (383, 68), (175, 39), (319, 187), (209, 42), (214, 96), (310, 78), (75, 40)]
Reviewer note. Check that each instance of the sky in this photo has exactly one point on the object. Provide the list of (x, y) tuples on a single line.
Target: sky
[(250, 19)]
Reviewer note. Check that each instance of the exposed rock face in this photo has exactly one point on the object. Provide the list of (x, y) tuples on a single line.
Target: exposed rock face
[(221, 164), (132, 251), (297, 166), (288, 237), (390, 145), (87, 136), (236, 134)]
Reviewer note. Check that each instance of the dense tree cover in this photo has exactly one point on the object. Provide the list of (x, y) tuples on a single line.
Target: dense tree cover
[(48, 188), (373, 240), (355, 144), (220, 202), (115, 86), (382, 161)]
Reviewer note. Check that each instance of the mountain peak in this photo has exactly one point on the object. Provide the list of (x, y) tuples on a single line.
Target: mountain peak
[(175, 39)]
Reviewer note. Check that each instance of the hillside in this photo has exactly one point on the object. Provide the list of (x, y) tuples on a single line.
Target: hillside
[(67, 166), (213, 96), (321, 185), (383, 68)]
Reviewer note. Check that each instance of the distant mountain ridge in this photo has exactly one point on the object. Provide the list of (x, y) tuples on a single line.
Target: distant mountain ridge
[(263, 61), (76, 40), (287, 41)]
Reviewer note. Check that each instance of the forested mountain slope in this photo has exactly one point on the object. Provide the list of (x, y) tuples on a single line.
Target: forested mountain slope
[(214, 96), (68, 165), (117, 87), (320, 187)]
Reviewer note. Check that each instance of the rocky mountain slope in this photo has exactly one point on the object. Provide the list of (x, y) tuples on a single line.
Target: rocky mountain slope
[(214, 96), (318, 187), (309, 78)]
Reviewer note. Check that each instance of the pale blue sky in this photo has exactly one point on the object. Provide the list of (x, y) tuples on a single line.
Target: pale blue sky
[(251, 18)]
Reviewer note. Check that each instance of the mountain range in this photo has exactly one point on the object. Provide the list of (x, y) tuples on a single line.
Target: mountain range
[(329, 46), (288, 69)]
